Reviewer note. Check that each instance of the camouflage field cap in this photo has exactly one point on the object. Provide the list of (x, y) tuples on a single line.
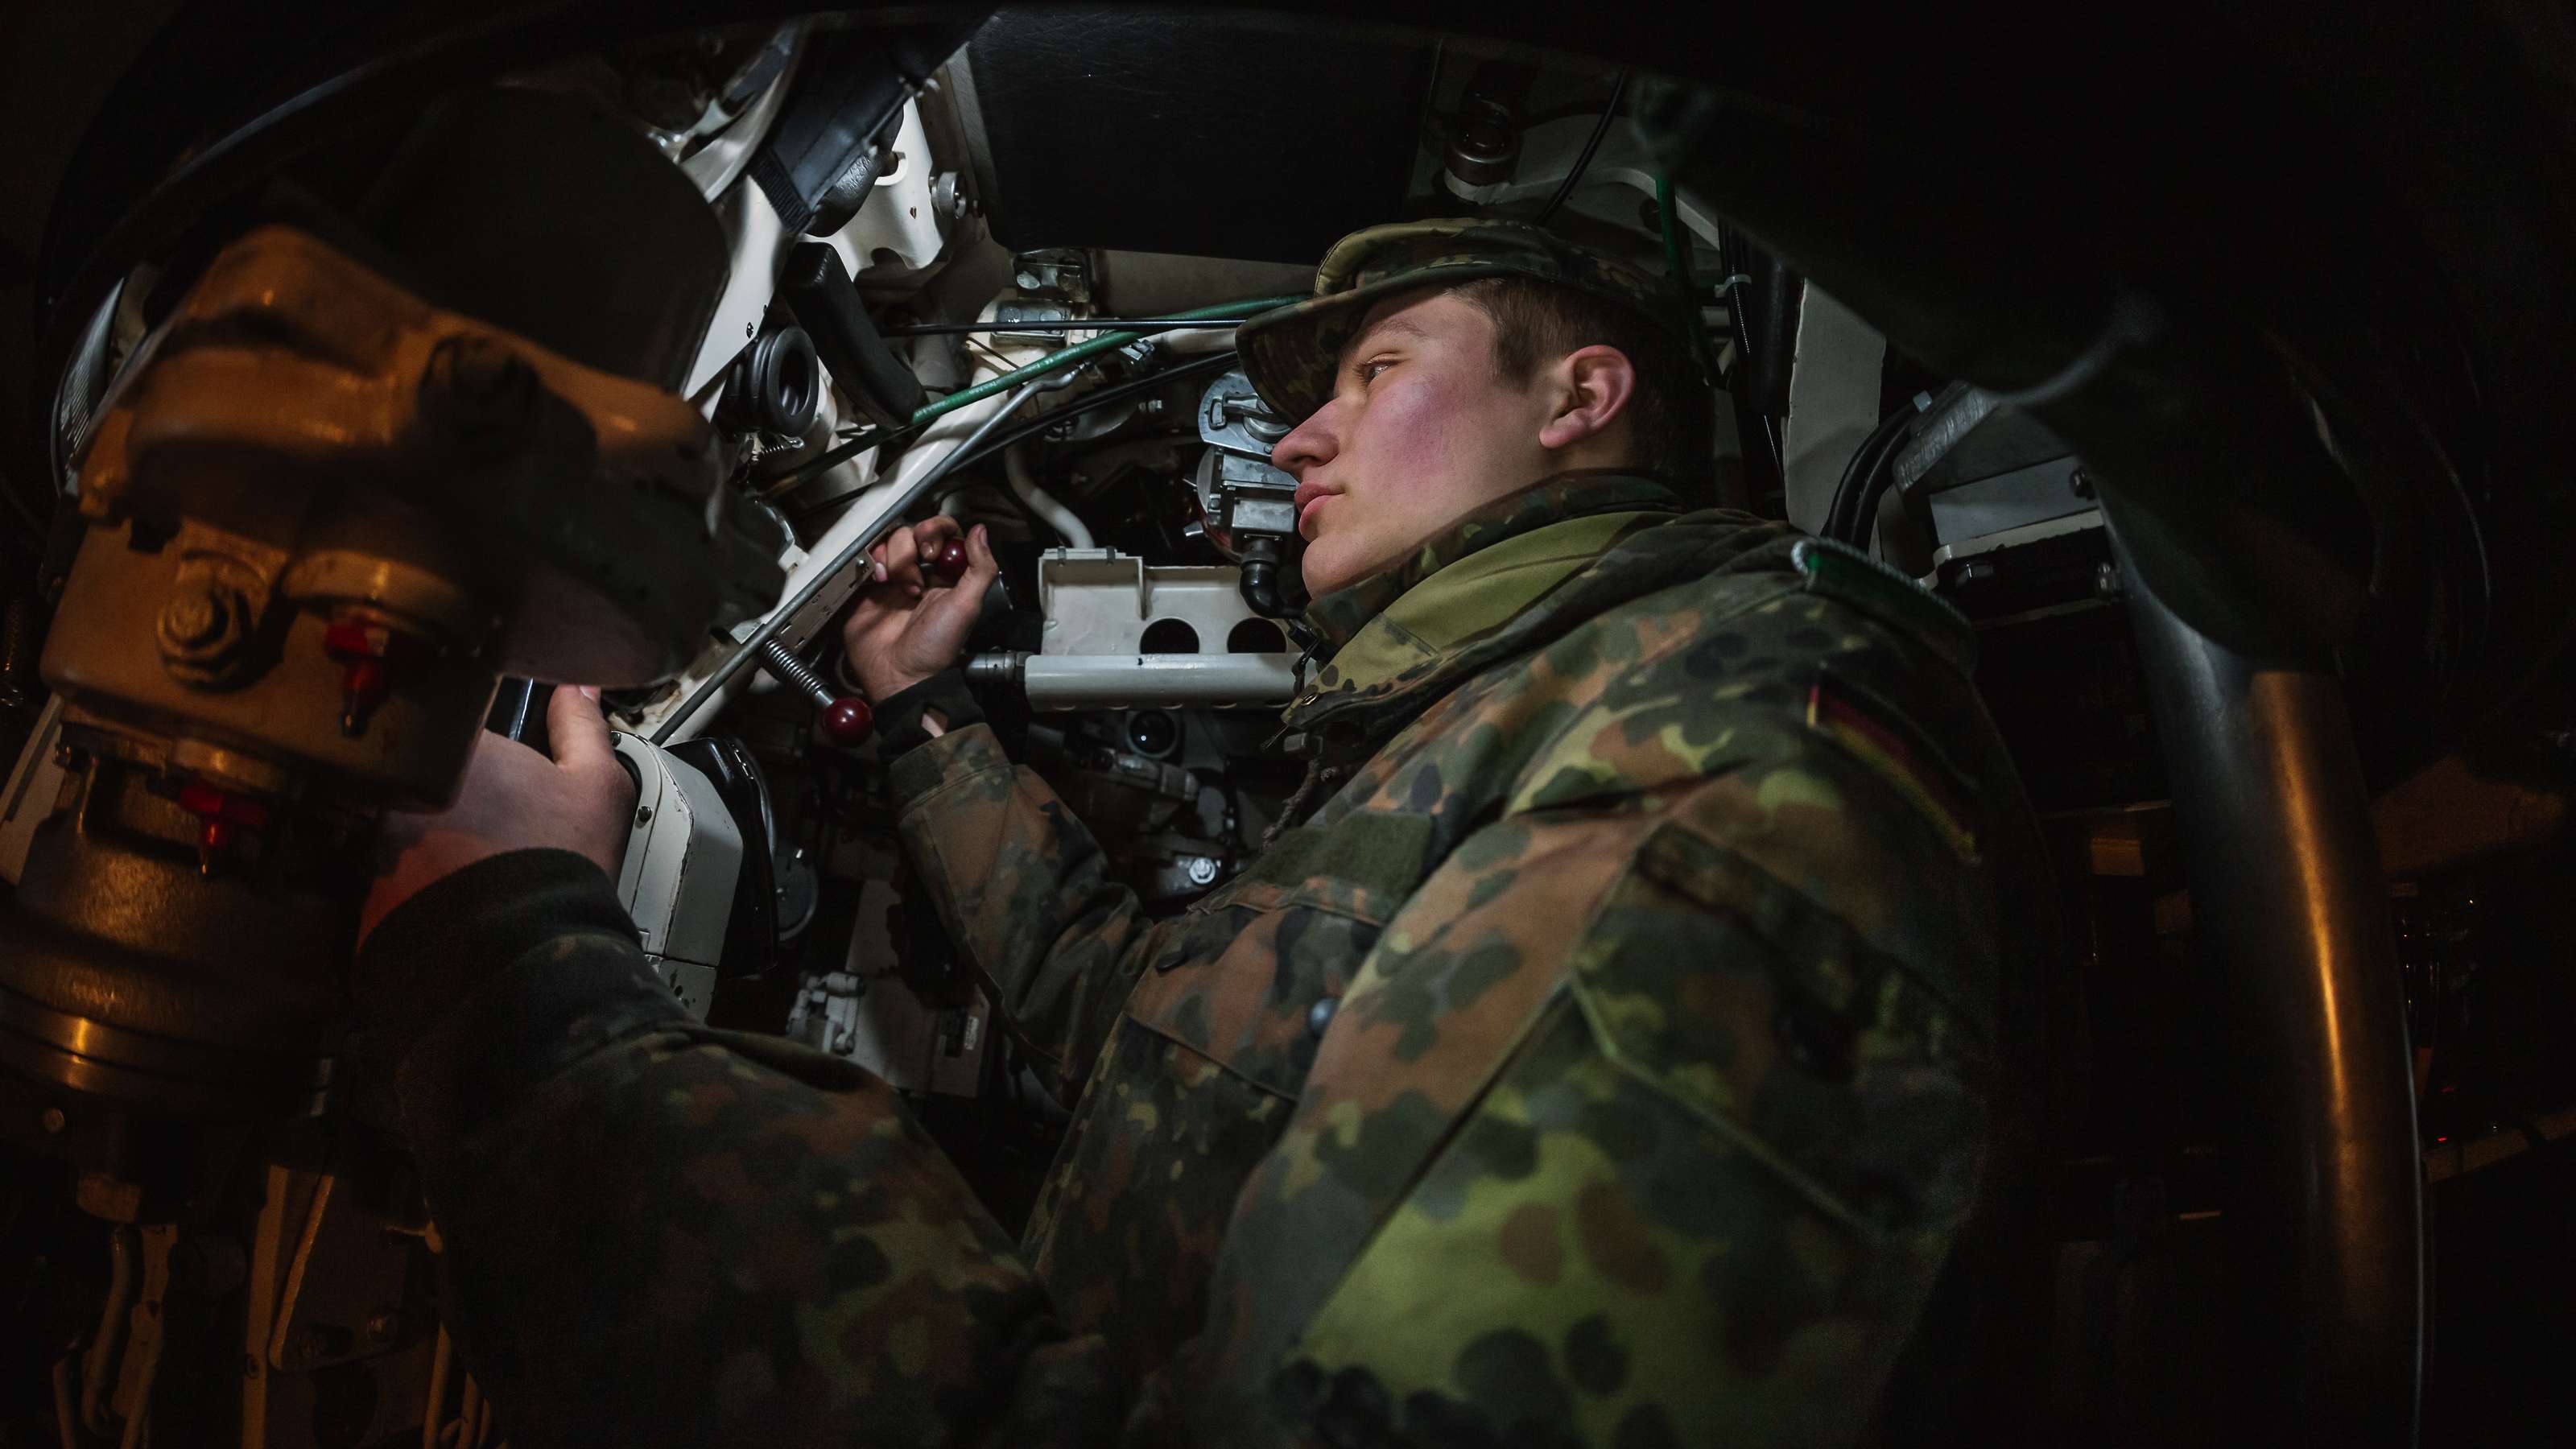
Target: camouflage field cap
[(1289, 354)]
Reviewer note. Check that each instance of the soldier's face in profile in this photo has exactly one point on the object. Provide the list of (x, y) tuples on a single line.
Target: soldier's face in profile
[(1421, 430)]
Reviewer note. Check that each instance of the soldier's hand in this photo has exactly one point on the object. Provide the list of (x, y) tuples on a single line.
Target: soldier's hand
[(909, 625), (514, 798)]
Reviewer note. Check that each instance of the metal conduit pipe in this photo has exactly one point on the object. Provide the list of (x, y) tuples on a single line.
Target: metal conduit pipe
[(2325, 1228), (1066, 523), (1135, 681)]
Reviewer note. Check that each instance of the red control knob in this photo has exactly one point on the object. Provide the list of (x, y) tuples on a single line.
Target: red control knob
[(222, 816), (367, 652), (948, 563), (847, 720)]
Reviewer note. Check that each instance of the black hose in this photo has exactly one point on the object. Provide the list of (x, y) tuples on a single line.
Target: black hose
[(1873, 488), (1847, 518), (1846, 486), (1583, 159), (1267, 583)]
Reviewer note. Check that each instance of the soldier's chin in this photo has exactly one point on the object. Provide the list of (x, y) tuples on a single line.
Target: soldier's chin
[(1334, 563)]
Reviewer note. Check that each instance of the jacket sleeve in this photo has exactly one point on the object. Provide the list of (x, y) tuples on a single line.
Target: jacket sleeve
[(658, 1234), (1650, 1121), (1023, 890)]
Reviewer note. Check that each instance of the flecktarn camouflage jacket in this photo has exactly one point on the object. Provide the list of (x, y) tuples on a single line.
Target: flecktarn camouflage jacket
[(1608, 1059)]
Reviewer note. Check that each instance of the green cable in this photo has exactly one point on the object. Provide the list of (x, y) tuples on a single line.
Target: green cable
[(1055, 361), (1678, 264)]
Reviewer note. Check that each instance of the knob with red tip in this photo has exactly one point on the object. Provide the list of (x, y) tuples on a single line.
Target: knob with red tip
[(367, 651), (846, 721), (947, 563), (222, 816)]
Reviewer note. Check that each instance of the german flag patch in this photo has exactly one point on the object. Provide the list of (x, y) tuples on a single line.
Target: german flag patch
[(1880, 738)]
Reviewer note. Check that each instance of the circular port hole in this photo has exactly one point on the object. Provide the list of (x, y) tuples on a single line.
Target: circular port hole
[(1169, 636), (1256, 636)]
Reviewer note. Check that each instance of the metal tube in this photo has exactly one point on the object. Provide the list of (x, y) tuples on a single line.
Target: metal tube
[(1066, 522), (1134, 681), (2325, 1227), (815, 582)]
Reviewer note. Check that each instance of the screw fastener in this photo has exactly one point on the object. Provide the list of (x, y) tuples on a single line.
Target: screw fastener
[(202, 629)]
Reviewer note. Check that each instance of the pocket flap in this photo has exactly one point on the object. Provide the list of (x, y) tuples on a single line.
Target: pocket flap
[(1363, 865), (1764, 1014)]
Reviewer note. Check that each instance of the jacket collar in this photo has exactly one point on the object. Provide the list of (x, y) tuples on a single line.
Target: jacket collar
[(1339, 616), (1634, 564)]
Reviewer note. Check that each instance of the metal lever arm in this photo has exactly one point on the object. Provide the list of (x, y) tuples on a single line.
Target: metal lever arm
[(822, 578)]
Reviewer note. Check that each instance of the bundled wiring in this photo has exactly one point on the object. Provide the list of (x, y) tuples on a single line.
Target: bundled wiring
[(1055, 361), (1105, 397), (1755, 424), (1583, 158), (1677, 261)]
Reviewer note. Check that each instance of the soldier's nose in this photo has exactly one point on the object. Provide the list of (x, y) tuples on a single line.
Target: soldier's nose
[(1308, 444)]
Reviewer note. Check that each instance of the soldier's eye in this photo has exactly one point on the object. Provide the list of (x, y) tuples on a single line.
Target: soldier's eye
[(1369, 370)]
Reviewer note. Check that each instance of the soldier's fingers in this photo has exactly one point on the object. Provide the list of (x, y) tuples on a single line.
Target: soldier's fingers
[(579, 734), (981, 567), (963, 604), (932, 536), (902, 559)]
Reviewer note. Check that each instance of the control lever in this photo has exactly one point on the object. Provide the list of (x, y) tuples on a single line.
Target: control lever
[(846, 717)]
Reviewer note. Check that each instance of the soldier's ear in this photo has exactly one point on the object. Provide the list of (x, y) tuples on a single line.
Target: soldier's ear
[(1588, 389)]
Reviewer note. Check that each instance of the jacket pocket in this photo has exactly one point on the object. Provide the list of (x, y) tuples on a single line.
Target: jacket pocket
[(1761, 1013), (1200, 1073), (1242, 979), (1694, 1201)]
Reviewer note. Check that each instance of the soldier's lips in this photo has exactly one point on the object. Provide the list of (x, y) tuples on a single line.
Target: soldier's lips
[(1308, 495)]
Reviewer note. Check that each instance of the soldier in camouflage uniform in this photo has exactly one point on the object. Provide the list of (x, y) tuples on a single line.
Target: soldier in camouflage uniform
[(1608, 1058)]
